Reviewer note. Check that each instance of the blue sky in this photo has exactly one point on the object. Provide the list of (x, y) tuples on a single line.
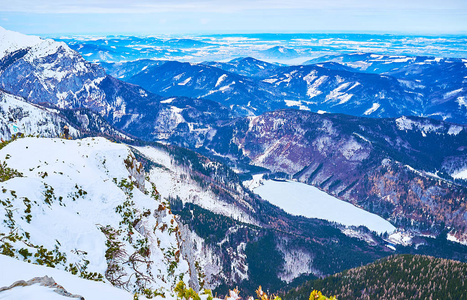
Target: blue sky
[(53, 17)]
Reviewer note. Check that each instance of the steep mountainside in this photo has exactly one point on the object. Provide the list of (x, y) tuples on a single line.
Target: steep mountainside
[(30, 119), (157, 121), (396, 277), (89, 123), (44, 121), (369, 162), (231, 233)]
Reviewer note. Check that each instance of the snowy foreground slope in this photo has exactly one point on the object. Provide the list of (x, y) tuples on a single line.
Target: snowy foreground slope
[(84, 206)]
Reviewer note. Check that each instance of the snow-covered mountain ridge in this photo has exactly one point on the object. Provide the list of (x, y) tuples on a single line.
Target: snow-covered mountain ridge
[(50, 70), (393, 87), (11, 41), (31, 119), (44, 121), (87, 209)]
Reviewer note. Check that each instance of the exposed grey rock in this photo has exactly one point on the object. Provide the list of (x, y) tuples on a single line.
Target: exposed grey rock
[(43, 281)]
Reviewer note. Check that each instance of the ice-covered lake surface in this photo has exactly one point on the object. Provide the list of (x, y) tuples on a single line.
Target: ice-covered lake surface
[(301, 199)]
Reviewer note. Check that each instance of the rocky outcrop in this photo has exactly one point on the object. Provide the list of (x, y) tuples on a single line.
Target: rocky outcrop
[(136, 171), (43, 281)]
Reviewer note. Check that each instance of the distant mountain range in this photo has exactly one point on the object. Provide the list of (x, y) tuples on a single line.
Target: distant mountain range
[(361, 85), (274, 47)]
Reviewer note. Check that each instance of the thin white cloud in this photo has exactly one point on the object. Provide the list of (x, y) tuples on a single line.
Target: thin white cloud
[(151, 6)]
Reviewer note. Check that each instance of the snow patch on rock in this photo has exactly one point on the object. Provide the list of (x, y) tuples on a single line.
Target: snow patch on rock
[(372, 109), (404, 123)]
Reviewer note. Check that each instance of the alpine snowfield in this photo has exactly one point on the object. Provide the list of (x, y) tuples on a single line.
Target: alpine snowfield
[(11, 41), (84, 206)]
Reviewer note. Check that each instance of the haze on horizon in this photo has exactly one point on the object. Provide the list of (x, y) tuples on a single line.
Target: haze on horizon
[(240, 16)]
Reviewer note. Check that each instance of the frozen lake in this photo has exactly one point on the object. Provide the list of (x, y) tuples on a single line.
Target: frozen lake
[(304, 200)]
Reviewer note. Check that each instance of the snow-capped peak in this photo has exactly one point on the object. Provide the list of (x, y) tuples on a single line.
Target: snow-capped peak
[(11, 41)]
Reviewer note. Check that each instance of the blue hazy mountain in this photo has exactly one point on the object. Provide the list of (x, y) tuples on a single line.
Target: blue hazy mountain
[(245, 66), (245, 95), (429, 87), (279, 52), (225, 47)]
